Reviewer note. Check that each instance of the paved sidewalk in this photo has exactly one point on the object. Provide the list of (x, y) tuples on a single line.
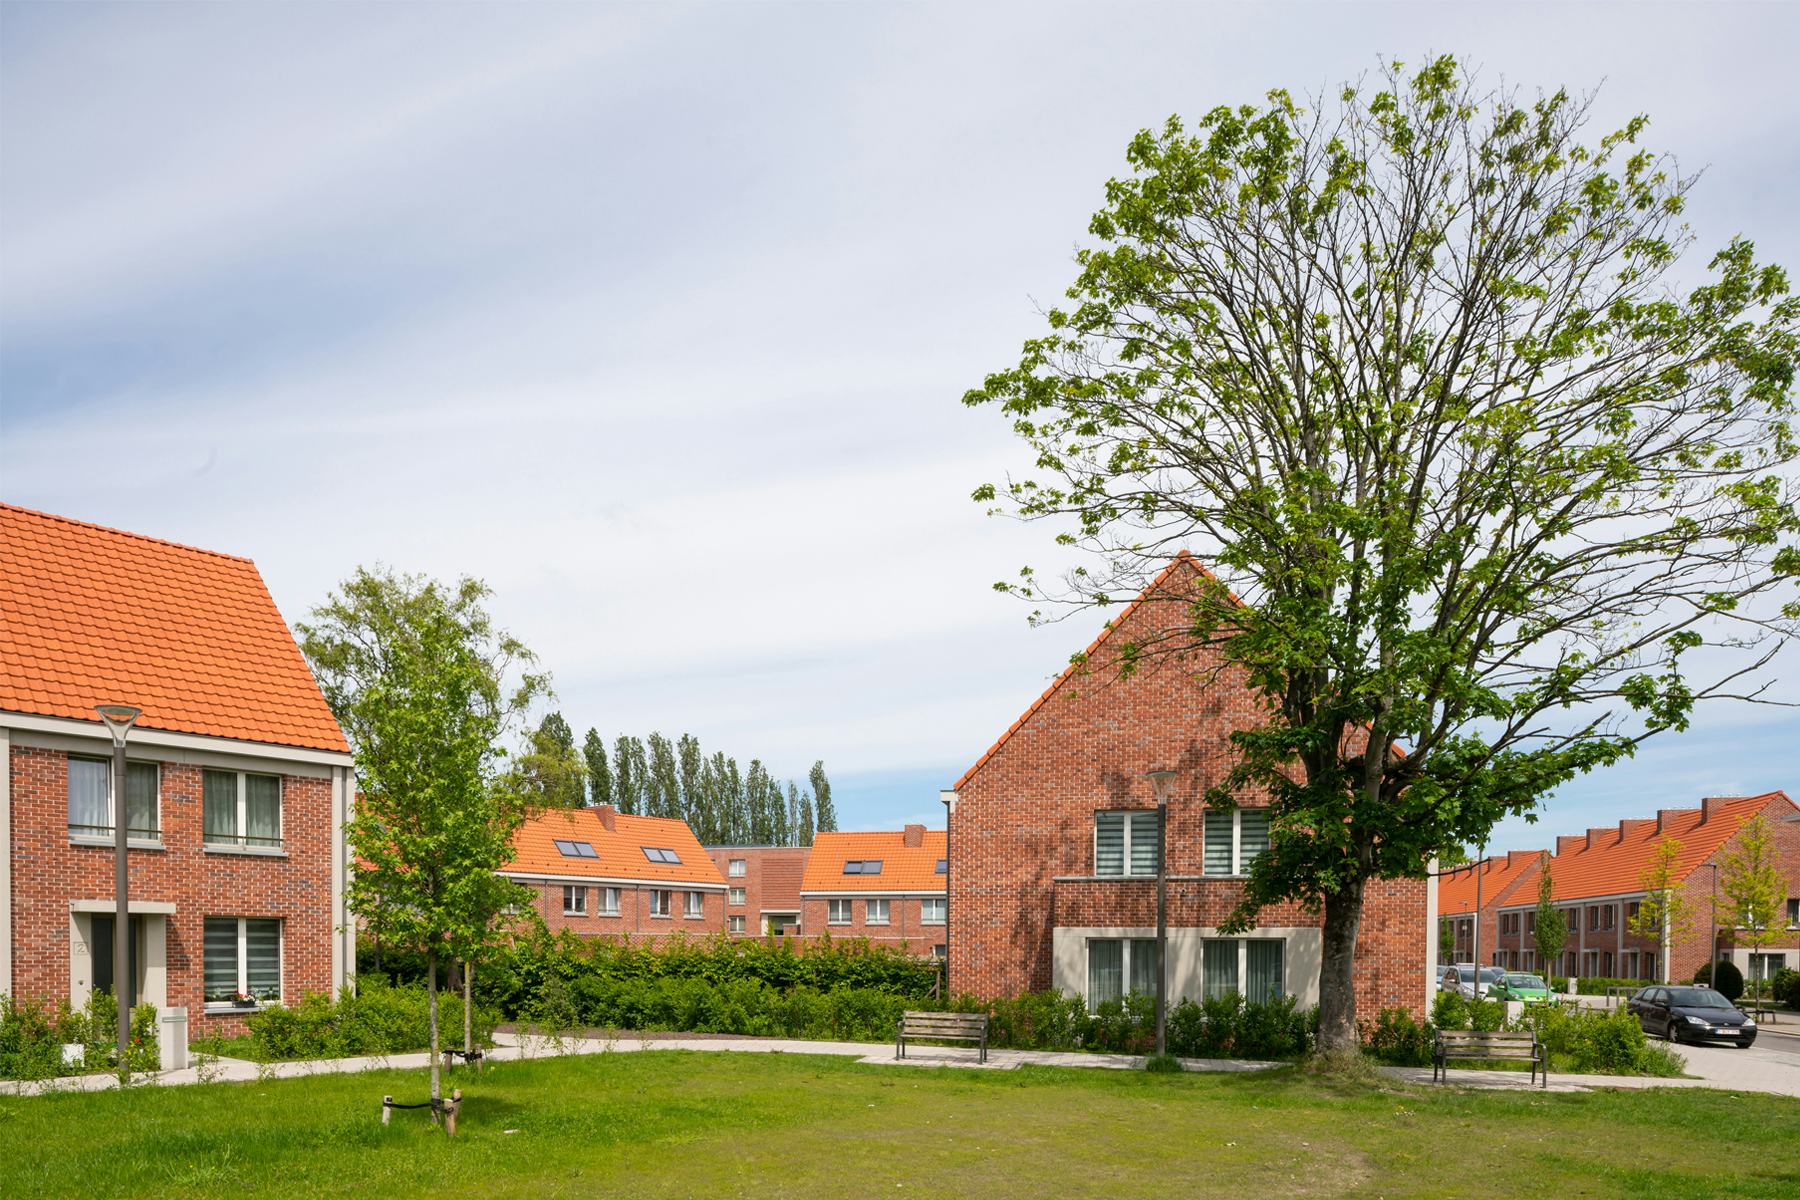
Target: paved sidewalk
[(514, 1047)]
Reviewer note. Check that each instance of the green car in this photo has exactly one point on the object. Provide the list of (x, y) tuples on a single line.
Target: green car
[(1515, 985)]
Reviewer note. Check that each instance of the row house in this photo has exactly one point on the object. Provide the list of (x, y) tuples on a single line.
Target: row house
[(237, 779), (1464, 892), (1052, 847), (1597, 885), (762, 888), (597, 872), (888, 887)]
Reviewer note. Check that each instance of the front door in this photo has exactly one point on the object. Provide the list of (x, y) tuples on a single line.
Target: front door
[(101, 945)]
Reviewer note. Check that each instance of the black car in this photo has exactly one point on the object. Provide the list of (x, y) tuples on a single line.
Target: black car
[(1692, 1014)]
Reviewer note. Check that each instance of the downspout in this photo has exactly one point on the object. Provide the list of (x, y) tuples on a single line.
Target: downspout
[(948, 798)]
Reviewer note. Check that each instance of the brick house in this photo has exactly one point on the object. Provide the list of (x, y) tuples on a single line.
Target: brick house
[(1052, 842), (762, 888), (601, 873), (888, 887), (1510, 881), (237, 778), (1597, 884)]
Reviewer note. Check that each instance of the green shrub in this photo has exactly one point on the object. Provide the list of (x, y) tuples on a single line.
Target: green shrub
[(1599, 1041), (32, 1037), (1727, 980), (1399, 1040), (1450, 1011), (1785, 987), (378, 1018)]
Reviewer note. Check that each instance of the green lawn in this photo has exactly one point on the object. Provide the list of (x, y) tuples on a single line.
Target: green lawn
[(698, 1123)]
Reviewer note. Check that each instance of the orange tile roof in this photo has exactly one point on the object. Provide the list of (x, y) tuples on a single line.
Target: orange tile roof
[(903, 868), (90, 615), (1613, 864), (1456, 891), (620, 849)]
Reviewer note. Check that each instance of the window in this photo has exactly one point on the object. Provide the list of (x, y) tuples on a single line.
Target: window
[(1234, 839), (694, 909), (659, 902), (1125, 843), (943, 866), (1115, 962), (574, 901), (90, 799), (932, 910), (1794, 913), (1219, 966), (1574, 915), (875, 912), (1266, 974), (240, 809), (242, 958), (736, 925), (940, 952), (1764, 966), (1631, 911), (736, 896), (735, 868), (1593, 916), (659, 854), (571, 849), (1609, 916), (609, 902), (837, 912), (863, 866), (1261, 963)]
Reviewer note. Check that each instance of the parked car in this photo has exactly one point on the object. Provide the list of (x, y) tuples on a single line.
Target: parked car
[(1446, 978), (1692, 1014), (1520, 985), (1465, 979)]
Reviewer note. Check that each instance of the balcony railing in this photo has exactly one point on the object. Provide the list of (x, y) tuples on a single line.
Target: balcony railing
[(240, 841), (132, 832)]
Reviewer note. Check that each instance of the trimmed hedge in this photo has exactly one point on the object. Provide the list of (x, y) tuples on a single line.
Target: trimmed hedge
[(378, 1018), (1581, 1040), (1729, 982)]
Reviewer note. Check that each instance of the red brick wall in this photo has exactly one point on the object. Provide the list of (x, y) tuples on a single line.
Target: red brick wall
[(771, 880), (1026, 816), (905, 928), (634, 919), (1690, 955), (49, 872)]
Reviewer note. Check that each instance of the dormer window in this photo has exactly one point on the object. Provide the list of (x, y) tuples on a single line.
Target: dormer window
[(573, 849)]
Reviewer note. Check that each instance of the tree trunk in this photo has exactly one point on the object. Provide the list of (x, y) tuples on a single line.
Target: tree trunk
[(1337, 975), (431, 1005), (468, 1010)]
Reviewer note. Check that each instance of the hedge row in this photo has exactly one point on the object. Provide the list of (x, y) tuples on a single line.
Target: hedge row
[(1582, 1040), (377, 1018)]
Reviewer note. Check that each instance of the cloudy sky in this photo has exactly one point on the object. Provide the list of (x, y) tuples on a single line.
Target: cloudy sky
[(656, 317)]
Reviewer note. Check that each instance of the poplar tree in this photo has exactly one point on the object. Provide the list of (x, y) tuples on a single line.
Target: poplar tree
[(1549, 930), (600, 783), (825, 816)]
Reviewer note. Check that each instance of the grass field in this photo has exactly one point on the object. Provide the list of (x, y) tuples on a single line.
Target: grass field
[(689, 1123)]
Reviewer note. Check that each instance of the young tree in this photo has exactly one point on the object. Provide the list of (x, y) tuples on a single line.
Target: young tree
[(427, 692), (600, 783), (1664, 913), (825, 815), (1414, 367), (695, 806), (1548, 928), (1446, 941), (1755, 889)]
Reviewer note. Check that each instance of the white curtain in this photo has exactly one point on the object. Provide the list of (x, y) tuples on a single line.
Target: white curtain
[(1264, 969), (1143, 966), (1219, 963), (262, 810), (1106, 970), (88, 805), (218, 791)]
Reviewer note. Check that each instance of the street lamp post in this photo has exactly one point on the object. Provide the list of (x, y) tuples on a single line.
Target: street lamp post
[(1160, 783), (118, 719)]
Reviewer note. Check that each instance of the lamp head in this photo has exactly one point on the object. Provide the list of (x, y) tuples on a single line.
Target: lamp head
[(118, 719), (1162, 783)]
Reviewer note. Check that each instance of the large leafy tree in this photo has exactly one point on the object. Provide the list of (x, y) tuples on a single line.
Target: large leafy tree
[(1494, 480), (428, 692), (552, 767), (599, 773)]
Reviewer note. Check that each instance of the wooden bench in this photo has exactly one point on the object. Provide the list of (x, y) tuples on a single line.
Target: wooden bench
[(941, 1027), (1481, 1046)]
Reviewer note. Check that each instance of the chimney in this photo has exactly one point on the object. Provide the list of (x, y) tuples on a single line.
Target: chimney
[(608, 817), (1706, 807), (1591, 834), (1567, 842), (915, 836), (1662, 818)]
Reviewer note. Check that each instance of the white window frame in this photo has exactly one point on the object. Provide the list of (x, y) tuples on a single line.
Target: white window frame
[(236, 842), (869, 910), (109, 830), (609, 902), (574, 900), (736, 924), (1126, 822), (1237, 842), (940, 903), (837, 912), (737, 897), (693, 908), (736, 868), (659, 903), (243, 963)]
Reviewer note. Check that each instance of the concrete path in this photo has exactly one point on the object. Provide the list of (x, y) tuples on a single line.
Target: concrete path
[(1754, 1070)]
